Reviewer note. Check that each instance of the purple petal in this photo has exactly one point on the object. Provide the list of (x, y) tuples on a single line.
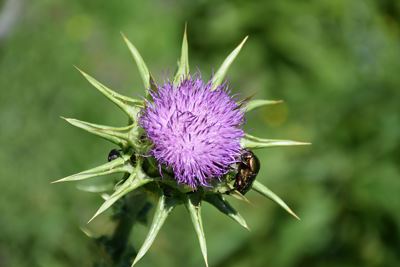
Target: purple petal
[(194, 130)]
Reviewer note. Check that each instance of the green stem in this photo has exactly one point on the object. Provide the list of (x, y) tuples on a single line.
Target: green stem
[(119, 251), (119, 241)]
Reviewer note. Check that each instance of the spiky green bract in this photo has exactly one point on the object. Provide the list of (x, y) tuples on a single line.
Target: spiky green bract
[(218, 201), (135, 180), (236, 194), (118, 165), (141, 171), (183, 64), (164, 207), (219, 76), (142, 67), (256, 103), (252, 142), (96, 188), (120, 136), (193, 205), (129, 105), (265, 191)]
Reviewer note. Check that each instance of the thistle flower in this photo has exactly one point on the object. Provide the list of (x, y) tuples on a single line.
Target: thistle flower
[(195, 130), (191, 132)]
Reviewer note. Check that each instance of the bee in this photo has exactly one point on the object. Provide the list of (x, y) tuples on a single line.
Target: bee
[(248, 169), (114, 154)]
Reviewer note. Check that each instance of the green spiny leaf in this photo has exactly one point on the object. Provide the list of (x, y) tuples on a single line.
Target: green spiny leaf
[(266, 192), (253, 142), (115, 166), (143, 70), (253, 104), (183, 65), (129, 105), (222, 205), (164, 207), (87, 232), (133, 182), (221, 72), (116, 135), (153, 85), (104, 196), (236, 194), (194, 207), (95, 188)]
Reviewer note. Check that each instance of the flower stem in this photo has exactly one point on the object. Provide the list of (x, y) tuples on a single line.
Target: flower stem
[(133, 209)]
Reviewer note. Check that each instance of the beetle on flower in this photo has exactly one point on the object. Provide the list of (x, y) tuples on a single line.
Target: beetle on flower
[(187, 139)]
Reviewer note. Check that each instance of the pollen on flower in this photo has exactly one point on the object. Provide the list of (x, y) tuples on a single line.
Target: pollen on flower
[(194, 130)]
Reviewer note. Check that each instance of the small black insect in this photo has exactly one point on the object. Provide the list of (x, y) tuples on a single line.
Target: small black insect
[(248, 169), (133, 159), (113, 155)]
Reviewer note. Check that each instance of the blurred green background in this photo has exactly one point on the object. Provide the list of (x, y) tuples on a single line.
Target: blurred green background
[(336, 63)]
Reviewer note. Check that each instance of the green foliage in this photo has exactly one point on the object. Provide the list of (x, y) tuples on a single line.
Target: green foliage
[(253, 142), (223, 206), (220, 75), (128, 105), (256, 103), (334, 63), (265, 191), (133, 182), (116, 135), (143, 70), (183, 64), (119, 165), (163, 209), (193, 205)]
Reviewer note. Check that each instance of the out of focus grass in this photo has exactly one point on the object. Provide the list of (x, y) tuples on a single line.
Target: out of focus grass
[(335, 63)]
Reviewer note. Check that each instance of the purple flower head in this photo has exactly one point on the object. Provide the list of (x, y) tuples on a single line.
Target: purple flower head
[(194, 130)]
